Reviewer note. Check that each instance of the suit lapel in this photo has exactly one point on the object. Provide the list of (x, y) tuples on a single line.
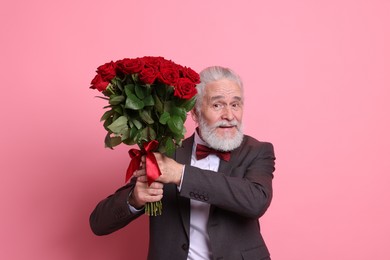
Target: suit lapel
[(225, 167)]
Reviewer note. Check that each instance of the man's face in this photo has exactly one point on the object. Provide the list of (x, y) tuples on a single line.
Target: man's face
[(221, 115)]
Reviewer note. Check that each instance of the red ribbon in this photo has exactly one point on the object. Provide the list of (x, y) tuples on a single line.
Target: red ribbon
[(152, 169)]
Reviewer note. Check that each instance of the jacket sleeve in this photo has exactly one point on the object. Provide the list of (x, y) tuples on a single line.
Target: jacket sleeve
[(113, 212), (243, 186)]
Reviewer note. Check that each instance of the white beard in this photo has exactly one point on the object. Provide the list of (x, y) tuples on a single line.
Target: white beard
[(226, 142)]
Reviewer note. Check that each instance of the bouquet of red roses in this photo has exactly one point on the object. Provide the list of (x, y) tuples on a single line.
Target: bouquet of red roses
[(148, 100)]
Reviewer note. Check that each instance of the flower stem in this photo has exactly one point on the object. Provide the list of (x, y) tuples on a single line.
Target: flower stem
[(153, 208)]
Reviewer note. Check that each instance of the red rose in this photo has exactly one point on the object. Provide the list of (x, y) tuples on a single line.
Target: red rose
[(98, 83), (148, 75), (107, 71), (153, 61), (185, 88), (130, 66), (168, 73), (190, 74)]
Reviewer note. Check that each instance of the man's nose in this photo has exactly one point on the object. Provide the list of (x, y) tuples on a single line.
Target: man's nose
[(227, 113)]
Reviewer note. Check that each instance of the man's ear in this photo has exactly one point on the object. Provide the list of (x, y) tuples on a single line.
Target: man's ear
[(194, 115)]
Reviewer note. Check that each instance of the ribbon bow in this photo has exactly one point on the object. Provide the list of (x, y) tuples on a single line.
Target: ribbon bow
[(203, 151), (152, 169)]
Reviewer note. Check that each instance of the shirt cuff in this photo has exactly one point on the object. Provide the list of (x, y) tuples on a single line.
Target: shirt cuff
[(132, 209), (181, 180)]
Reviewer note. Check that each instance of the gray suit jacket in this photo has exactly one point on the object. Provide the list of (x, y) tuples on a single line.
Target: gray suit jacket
[(239, 194)]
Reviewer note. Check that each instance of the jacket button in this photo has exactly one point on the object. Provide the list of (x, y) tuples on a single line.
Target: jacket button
[(184, 247)]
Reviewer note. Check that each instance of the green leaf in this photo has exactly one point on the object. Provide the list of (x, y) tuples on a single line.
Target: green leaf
[(111, 142), (177, 111), (129, 89), (180, 137), (115, 141), (133, 133), (168, 106), (169, 147), (137, 123), (145, 116), (117, 82), (115, 100), (119, 125), (158, 104), (132, 137), (164, 118), (107, 123), (148, 90), (176, 124), (144, 135), (188, 105), (140, 91), (147, 134), (148, 101), (129, 141), (118, 110), (107, 141), (125, 134), (151, 133), (133, 102), (106, 115), (115, 117)]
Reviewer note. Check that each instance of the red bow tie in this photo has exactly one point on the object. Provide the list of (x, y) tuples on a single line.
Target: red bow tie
[(203, 151)]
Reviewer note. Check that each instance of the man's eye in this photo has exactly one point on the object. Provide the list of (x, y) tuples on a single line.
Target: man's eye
[(217, 106), (236, 105)]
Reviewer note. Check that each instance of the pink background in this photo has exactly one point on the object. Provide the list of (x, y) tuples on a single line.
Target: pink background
[(317, 87)]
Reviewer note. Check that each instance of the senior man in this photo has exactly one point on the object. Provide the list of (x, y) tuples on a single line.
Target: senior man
[(214, 189)]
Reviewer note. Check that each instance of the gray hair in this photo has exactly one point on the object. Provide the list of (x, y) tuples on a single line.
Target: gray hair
[(212, 74)]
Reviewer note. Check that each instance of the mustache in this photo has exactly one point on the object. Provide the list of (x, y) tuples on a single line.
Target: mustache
[(226, 123)]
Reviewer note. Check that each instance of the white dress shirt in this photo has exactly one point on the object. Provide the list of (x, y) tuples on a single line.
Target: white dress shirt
[(199, 238)]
